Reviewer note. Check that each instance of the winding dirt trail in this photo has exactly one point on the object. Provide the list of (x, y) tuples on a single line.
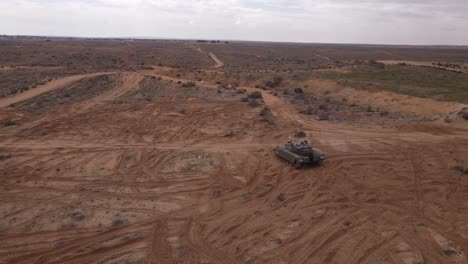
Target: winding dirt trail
[(48, 87), (323, 57), (219, 63)]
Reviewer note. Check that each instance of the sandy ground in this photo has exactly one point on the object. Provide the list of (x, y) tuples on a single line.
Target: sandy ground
[(103, 181), (384, 100)]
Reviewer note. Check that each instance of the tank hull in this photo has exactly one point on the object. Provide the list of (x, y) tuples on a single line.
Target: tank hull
[(297, 160)]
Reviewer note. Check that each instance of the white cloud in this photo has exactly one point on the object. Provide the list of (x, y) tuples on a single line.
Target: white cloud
[(358, 21)]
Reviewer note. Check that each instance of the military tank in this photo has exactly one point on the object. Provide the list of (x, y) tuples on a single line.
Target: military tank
[(300, 153)]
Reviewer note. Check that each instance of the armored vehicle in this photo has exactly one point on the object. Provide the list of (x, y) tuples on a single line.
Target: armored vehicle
[(300, 153)]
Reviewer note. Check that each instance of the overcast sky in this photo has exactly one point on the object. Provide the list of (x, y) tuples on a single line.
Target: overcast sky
[(325, 21)]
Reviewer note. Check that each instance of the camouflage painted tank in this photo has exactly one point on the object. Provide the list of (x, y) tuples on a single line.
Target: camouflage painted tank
[(300, 153)]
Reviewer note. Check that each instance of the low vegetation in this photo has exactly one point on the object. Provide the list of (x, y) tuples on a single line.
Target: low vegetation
[(10, 123), (253, 103), (4, 156), (425, 82), (461, 167), (464, 113), (265, 111), (277, 80), (255, 95), (300, 134), (299, 91), (189, 84)]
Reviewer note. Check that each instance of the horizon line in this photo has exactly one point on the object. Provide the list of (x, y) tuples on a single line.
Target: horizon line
[(229, 40)]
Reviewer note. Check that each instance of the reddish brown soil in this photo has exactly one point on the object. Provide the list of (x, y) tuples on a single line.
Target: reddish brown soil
[(151, 171)]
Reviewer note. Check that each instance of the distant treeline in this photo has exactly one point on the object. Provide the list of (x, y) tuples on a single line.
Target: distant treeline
[(212, 41)]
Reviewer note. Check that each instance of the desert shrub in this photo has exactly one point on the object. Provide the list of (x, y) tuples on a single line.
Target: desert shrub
[(299, 91), (461, 168), (281, 197), (188, 84), (4, 156), (308, 111), (77, 216), (465, 116), (241, 91), (245, 99), (285, 91), (118, 221), (9, 123), (384, 113), (300, 134), (265, 111), (230, 133), (277, 80), (255, 95), (323, 117)]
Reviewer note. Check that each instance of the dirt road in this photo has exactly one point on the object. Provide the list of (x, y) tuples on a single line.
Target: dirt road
[(219, 63), (323, 57), (194, 180)]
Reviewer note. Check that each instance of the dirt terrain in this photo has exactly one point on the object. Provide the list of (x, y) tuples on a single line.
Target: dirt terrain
[(166, 164)]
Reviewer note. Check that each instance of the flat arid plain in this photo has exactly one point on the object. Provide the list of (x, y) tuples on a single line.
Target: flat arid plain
[(160, 151)]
